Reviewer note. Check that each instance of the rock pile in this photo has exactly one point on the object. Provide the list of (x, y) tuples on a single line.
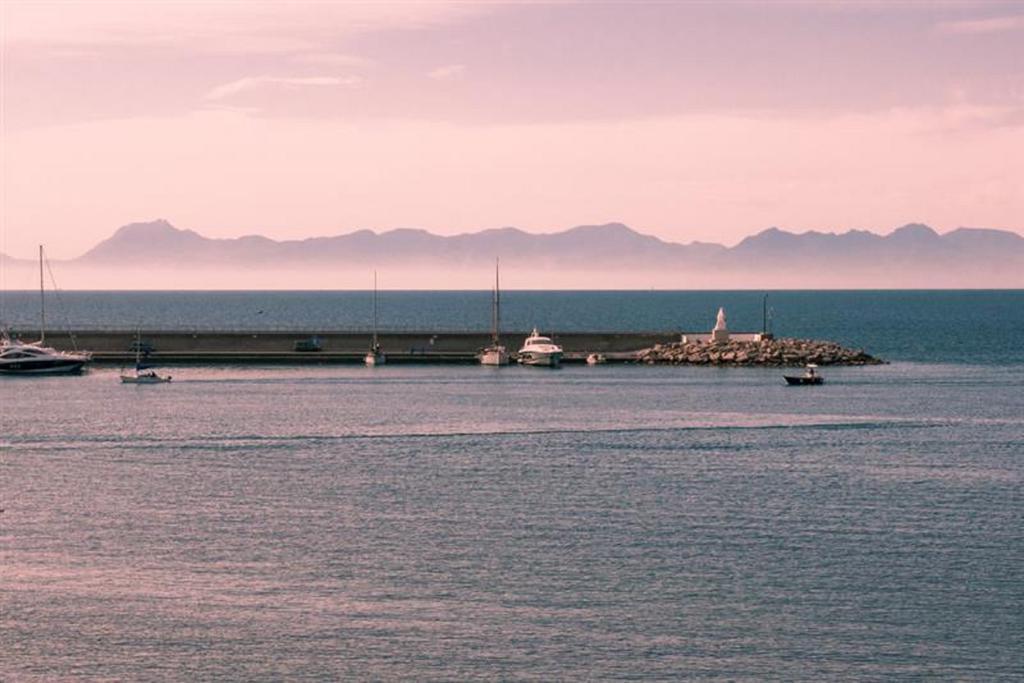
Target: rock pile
[(774, 352)]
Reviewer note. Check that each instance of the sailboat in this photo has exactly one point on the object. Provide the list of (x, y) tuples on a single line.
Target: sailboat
[(23, 358), (144, 374), (495, 353), (375, 356)]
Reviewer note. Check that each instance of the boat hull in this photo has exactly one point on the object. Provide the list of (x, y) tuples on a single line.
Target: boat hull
[(62, 366), (801, 380), (494, 355), (540, 359), (373, 359), (144, 380)]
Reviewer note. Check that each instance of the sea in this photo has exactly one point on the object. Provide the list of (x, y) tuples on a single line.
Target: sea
[(457, 523)]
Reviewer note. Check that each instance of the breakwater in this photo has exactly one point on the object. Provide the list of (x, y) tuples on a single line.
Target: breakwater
[(186, 346), (118, 346), (771, 352)]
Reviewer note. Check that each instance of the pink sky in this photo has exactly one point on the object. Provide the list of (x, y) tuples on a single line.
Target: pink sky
[(689, 121)]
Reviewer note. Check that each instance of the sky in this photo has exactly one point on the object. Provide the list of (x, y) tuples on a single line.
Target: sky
[(690, 121)]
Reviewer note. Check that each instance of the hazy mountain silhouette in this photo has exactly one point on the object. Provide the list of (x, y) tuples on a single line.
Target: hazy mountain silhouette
[(599, 245), (594, 256)]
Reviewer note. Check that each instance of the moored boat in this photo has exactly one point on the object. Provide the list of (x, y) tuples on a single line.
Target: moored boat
[(375, 356), (596, 359), (34, 358), (495, 353), (540, 351), (21, 358)]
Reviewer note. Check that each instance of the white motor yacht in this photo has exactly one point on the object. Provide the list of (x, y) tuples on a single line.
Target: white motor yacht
[(538, 350), (34, 358), (20, 358)]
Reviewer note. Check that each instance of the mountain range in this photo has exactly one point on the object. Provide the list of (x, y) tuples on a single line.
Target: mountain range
[(591, 256)]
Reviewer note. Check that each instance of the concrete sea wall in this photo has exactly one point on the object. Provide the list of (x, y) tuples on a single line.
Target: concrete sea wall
[(445, 347), (339, 346)]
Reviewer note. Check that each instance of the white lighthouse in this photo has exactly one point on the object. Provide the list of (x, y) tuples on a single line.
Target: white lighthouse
[(720, 335)]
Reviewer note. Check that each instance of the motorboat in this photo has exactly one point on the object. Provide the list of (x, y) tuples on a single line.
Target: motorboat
[(22, 358), (495, 353), (35, 358), (539, 350), (810, 376), (596, 359)]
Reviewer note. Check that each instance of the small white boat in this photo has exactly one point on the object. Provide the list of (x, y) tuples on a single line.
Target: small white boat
[(495, 353), (540, 351), (145, 377), (375, 356), (144, 374), (596, 359)]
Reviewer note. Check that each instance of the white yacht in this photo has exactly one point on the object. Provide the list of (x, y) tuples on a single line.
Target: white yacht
[(538, 350), (34, 358), (21, 358), (495, 353)]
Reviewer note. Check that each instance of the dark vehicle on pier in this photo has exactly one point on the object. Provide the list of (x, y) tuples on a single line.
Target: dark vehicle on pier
[(312, 344)]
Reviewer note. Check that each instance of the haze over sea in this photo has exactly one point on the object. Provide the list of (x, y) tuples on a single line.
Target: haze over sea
[(457, 523)]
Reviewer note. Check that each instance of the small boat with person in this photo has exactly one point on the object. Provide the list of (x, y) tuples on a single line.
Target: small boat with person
[(596, 359), (540, 351), (810, 376), (144, 374)]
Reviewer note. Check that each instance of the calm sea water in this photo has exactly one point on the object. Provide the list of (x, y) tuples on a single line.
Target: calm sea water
[(930, 326), (464, 523)]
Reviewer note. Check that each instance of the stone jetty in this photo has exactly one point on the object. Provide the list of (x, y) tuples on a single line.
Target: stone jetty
[(767, 351)]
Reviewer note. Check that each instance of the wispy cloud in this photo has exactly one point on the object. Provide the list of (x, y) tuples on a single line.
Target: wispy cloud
[(449, 72), (330, 59), (249, 83), (981, 26)]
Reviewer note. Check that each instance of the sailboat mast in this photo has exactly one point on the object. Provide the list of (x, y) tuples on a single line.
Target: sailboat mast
[(496, 311), (375, 309), (42, 300)]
